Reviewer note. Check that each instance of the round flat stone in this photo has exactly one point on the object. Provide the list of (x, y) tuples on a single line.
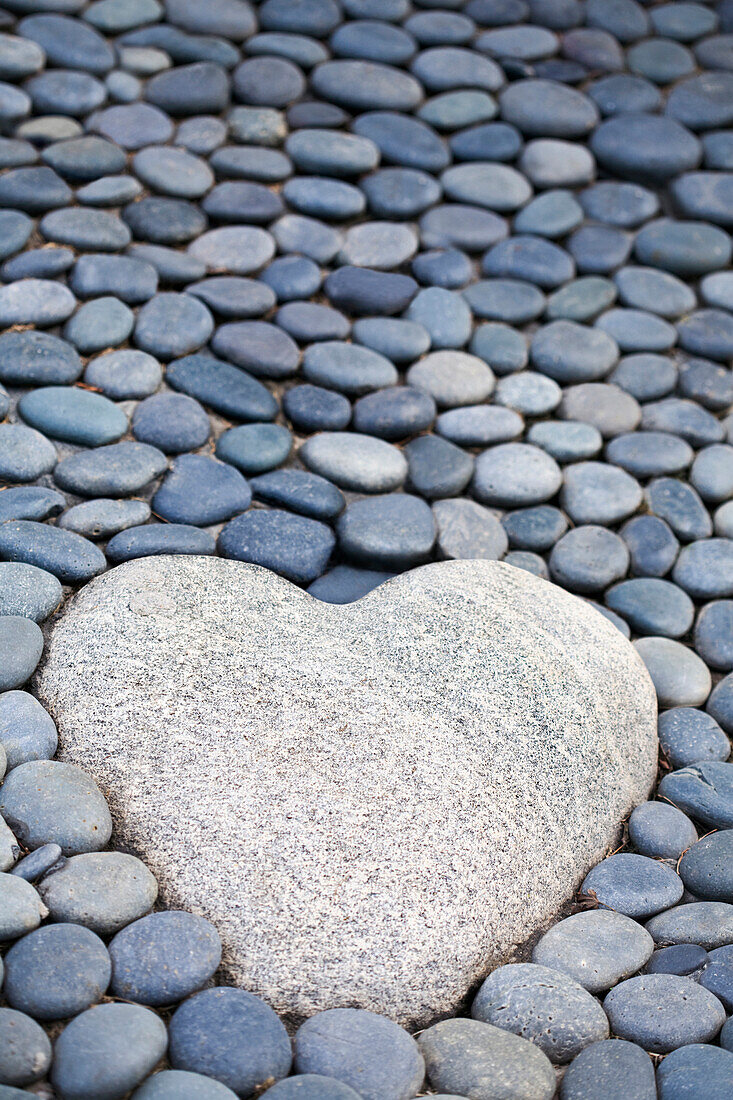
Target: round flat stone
[(703, 102), (115, 470), (25, 454), (294, 546), (28, 591), (84, 158), (536, 528), (511, 300), (85, 229), (296, 233), (398, 339), (312, 408), (714, 634), (596, 492), (23, 910), (68, 556), (533, 395), (661, 831), (305, 493), (361, 291), (201, 491), (569, 352), (703, 568), (543, 1005), (652, 606), (663, 1011), (394, 413), (543, 108), (223, 387), (68, 43), (705, 867), (504, 349), (22, 644), (172, 325), (360, 1049), (687, 249), (99, 324), (34, 190), (172, 171), (173, 422), (622, 1070), (35, 301), (529, 258), (680, 677), (254, 448), (237, 250), (102, 518), (705, 1069), (346, 584), (633, 885), (159, 538), (328, 152), (57, 971), (164, 220), (26, 1050), (684, 959), (130, 279), (366, 86), (349, 368), (46, 801), (597, 949), (404, 140), (452, 378), (683, 417), (27, 731), (259, 347), (168, 1084), (702, 790), (103, 891), (381, 245), (588, 558), (437, 468), (706, 923), (550, 215), (357, 462), (456, 225), (124, 375), (164, 957), (466, 530), (515, 475), (73, 415), (496, 186), (687, 736), (30, 502), (463, 1055), (127, 1041)]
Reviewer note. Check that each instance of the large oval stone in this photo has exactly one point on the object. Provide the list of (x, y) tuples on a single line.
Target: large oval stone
[(375, 803)]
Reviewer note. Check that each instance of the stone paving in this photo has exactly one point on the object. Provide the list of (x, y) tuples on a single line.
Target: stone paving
[(342, 289)]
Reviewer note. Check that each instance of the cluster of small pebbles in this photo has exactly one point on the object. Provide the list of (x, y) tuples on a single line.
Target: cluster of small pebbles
[(339, 287)]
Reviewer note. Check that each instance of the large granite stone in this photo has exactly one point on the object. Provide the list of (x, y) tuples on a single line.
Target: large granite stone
[(373, 803)]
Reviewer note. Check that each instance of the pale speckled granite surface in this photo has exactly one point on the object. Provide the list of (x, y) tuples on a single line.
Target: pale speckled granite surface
[(374, 803)]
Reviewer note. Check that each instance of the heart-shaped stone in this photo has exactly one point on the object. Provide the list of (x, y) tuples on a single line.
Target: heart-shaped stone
[(376, 803)]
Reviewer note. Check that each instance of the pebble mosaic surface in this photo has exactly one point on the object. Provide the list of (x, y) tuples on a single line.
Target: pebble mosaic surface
[(339, 288)]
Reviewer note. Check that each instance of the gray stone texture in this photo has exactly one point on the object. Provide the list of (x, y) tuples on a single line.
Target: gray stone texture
[(375, 804)]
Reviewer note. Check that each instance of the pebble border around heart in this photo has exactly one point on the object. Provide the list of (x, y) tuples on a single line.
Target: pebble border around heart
[(412, 307)]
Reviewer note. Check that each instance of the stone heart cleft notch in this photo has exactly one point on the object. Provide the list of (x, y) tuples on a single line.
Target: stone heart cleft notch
[(374, 803)]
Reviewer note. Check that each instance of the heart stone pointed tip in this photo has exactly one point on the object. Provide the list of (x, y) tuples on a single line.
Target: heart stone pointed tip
[(375, 804)]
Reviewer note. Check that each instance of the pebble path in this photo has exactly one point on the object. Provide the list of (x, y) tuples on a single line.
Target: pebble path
[(339, 288)]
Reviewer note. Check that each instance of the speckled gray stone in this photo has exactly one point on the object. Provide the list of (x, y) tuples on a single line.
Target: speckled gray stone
[(386, 790)]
